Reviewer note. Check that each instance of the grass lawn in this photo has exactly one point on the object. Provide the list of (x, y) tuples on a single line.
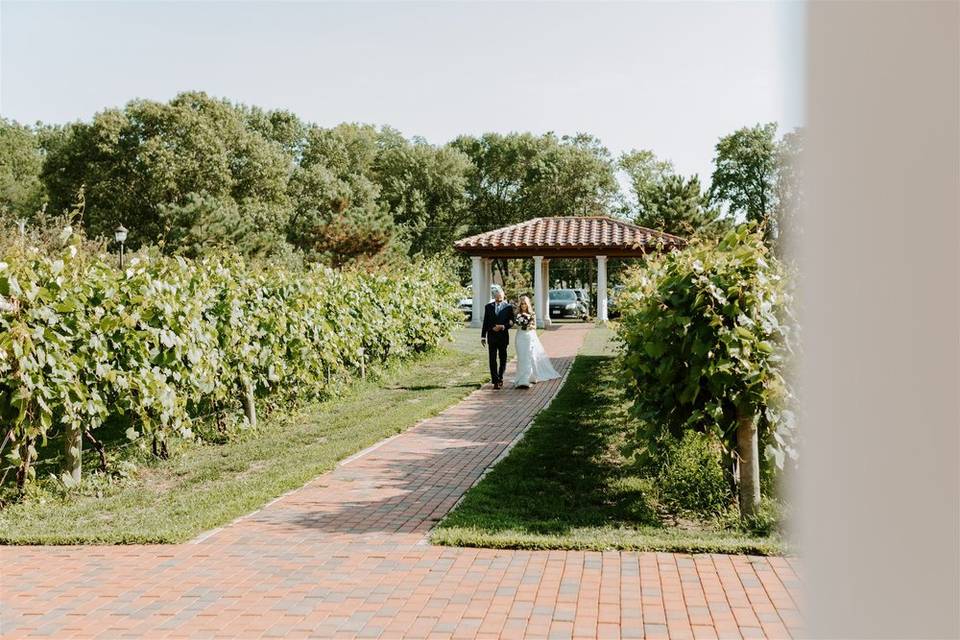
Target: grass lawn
[(569, 484), (204, 486)]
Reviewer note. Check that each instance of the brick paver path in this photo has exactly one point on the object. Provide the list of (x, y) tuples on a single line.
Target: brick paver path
[(346, 557)]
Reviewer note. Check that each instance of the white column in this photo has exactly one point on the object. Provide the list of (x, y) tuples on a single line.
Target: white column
[(546, 294), (487, 279), (538, 296), (602, 289), (476, 282)]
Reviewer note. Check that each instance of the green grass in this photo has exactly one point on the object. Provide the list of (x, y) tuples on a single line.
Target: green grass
[(570, 483), (204, 486)]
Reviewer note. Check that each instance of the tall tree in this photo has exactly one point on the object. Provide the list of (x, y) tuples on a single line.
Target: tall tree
[(677, 205), (789, 180), (666, 201), (139, 161), (519, 176), (205, 222), (745, 174), (337, 217), (21, 158), (576, 177), (423, 188), (646, 173)]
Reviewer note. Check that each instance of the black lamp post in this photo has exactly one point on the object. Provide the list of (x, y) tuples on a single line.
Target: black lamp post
[(120, 235)]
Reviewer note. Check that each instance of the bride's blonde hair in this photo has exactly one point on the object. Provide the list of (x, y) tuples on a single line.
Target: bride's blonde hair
[(525, 306)]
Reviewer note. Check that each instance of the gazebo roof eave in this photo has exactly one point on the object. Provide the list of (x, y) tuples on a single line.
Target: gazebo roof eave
[(568, 236), (556, 252)]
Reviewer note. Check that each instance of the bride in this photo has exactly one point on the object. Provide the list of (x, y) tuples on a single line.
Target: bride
[(533, 363)]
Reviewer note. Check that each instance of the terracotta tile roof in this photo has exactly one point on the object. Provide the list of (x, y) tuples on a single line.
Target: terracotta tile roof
[(569, 235)]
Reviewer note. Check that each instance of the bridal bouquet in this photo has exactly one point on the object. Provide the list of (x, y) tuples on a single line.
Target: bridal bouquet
[(525, 321)]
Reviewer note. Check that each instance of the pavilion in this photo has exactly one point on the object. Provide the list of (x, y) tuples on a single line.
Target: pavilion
[(597, 237)]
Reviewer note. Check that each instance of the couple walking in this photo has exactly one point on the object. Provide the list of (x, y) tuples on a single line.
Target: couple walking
[(533, 364)]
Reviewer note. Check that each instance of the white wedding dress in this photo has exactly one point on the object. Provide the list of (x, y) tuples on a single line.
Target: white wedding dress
[(533, 363)]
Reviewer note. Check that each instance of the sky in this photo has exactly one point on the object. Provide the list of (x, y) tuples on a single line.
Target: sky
[(667, 76)]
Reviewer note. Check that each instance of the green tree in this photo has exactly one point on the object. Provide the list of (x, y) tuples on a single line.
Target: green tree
[(424, 189), (204, 224), (337, 216), (745, 174), (137, 162), (576, 177), (646, 174), (520, 176), (281, 127), (21, 158), (789, 179), (665, 200), (677, 206)]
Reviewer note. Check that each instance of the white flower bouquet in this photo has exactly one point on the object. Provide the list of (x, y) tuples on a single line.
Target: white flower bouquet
[(526, 321)]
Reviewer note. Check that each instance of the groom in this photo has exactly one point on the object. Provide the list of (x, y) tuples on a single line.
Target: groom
[(495, 335)]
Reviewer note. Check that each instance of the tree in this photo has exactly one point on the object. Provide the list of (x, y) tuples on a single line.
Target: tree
[(337, 216), (520, 176), (666, 201), (576, 177), (204, 224), (745, 174), (21, 157), (677, 206), (423, 188), (137, 162), (646, 174), (789, 179), (281, 127)]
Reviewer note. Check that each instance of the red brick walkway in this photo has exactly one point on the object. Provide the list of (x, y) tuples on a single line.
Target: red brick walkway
[(346, 557)]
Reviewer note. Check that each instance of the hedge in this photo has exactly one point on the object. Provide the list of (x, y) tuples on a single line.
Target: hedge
[(167, 341)]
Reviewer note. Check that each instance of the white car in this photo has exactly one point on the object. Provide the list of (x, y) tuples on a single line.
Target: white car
[(466, 304)]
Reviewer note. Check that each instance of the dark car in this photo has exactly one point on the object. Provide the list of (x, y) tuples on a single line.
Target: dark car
[(565, 303)]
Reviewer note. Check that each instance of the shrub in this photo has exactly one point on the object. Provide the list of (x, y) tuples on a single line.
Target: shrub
[(770, 518), (691, 477), (168, 341), (707, 335)]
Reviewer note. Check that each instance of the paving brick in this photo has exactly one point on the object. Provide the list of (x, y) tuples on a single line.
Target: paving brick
[(345, 557)]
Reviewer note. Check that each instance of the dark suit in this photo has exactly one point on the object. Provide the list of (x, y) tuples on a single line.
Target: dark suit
[(497, 341)]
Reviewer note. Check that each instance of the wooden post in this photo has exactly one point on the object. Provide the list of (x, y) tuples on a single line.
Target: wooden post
[(72, 454), (747, 451), (26, 458), (247, 400)]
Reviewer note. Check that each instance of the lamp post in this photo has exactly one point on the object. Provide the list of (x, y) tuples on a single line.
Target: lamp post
[(120, 235)]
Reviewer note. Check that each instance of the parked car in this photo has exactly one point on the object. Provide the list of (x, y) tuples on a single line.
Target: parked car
[(564, 303), (466, 307), (466, 304)]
